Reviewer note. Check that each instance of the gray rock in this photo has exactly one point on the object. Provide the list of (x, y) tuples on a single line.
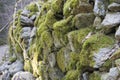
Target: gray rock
[(112, 75), (26, 32), (23, 76), (33, 32), (117, 34), (84, 20), (16, 67), (101, 57), (33, 17), (55, 74), (97, 22), (25, 12), (111, 20), (115, 7), (100, 7), (8, 69), (52, 60), (25, 21)]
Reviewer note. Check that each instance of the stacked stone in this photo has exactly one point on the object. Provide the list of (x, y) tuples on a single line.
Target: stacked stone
[(28, 29)]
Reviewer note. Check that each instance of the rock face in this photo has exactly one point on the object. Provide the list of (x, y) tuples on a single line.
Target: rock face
[(62, 40)]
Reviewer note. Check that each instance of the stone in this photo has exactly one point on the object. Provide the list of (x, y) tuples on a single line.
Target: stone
[(97, 22), (16, 67), (117, 34), (8, 69), (23, 76), (100, 7), (26, 32), (55, 74), (112, 75), (114, 7), (101, 57), (33, 17), (25, 21), (25, 12), (84, 20), (63, 58), (52, 60), (111, 20), (83, 8), (33, 32)]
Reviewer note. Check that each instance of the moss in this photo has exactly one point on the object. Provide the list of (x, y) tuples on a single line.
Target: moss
[(45, 8), (94, 76), (39, 20), (63, 26), (46, 40), (68, 6), (50, 19), (106, 66), (32, 7), (12, 59), (72, 75), (41, 29), (57, 6), (91, 46), (60, 39), (116, 55), (28, 66), (74, 58), (61, 60), (76, 37)]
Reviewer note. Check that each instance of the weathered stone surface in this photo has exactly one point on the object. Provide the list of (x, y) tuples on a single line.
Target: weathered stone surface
[(84, 20), (97, 22), (16, 67), (55, 73), (25, 12), (52, 60), (25, 21), (8, 69), (114, 7), (117, 34), (101, 56), (111, 20), (23, 76), (112, 75), (100, 7), (26, 32)]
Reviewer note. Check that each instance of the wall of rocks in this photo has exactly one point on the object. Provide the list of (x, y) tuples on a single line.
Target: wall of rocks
[(65, 40)]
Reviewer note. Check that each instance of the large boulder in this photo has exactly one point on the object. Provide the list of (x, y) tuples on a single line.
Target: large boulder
[(115, 7)]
